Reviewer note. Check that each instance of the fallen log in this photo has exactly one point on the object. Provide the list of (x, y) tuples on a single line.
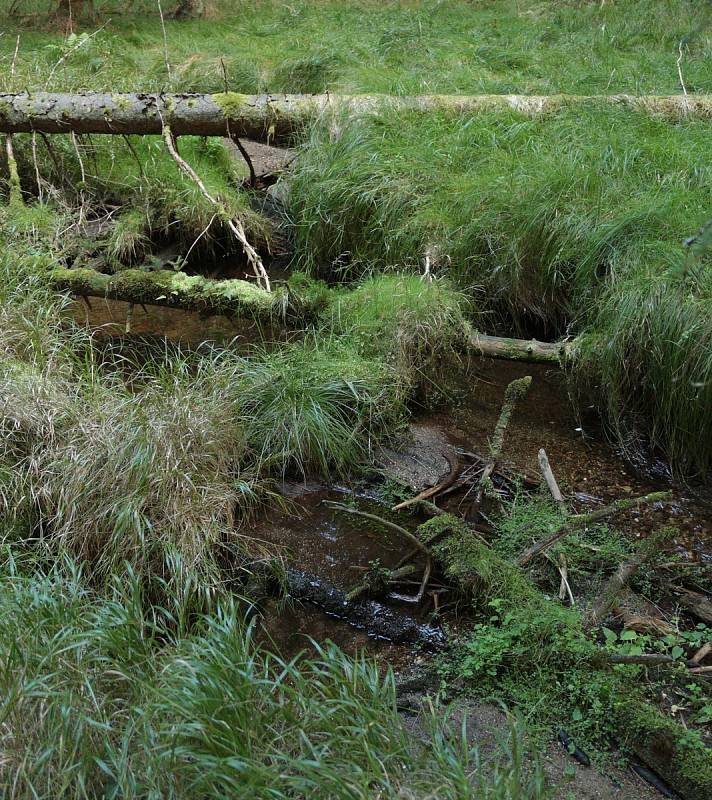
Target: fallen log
[(168, 288), (529, 350), (280, 116), (376, 619)]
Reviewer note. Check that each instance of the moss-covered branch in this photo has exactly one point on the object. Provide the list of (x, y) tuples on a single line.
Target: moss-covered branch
[(168, 288)]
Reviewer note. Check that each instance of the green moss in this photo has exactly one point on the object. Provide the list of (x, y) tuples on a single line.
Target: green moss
[(167, 287), (233, 104), (678, 751), (474, 565)]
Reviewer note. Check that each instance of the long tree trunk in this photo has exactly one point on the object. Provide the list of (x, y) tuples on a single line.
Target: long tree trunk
[(278, 116)]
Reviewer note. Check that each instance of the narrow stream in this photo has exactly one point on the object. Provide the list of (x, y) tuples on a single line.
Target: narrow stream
[(337, 547)]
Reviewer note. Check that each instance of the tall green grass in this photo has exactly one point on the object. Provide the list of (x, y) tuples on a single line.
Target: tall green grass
[(100, 697), (154, 458), (563, 224), (418, 47)]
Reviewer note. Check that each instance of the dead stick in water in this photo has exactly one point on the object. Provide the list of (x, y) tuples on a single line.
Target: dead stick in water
[(582, 520), (375, 518), (516, 391), (550, 479)]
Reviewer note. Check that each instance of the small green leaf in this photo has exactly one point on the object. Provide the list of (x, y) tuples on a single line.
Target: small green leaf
[(629, 636), (610, 635), (577, 716), (676, 652)]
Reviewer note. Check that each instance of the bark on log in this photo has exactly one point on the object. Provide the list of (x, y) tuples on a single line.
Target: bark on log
[(279, 116)]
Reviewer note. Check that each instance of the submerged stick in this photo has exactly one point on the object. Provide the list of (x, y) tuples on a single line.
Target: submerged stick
[(550, 479), (455, 470), (375, 518), (582, 520)]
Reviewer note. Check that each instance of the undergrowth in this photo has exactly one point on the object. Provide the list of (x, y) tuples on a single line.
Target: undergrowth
[(532, 652), (417, 47), (103, 697), (154, 459)]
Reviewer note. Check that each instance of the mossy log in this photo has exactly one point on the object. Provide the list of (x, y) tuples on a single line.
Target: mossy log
[(171, 289), (279, 116)]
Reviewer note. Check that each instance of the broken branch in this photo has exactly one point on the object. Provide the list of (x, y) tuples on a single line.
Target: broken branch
[(232, 223), (582, 520)]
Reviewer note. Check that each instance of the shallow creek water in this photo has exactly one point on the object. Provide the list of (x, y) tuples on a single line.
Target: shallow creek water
[(338, 547)]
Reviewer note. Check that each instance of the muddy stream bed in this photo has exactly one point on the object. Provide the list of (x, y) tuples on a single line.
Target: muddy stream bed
[(337, 547)]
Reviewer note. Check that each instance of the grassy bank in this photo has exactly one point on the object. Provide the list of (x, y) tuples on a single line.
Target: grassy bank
[(104, 697), (568, 224)]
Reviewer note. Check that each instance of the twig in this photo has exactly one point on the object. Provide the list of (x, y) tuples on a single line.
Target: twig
[(134, 154), (129, 317), (236, 139), (582, 520), (679, 68), (232, 223), (455, 470), (550, 479), (165, 43), (80, 43), (565, 588), (386, 523), (37, 168), (426, 578), (14, 57), (73, 137), (199, 237), (14, 176)]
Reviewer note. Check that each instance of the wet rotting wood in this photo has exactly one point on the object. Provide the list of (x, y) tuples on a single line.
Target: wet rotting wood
[(620, 579), (374, 618), (279, 116)]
